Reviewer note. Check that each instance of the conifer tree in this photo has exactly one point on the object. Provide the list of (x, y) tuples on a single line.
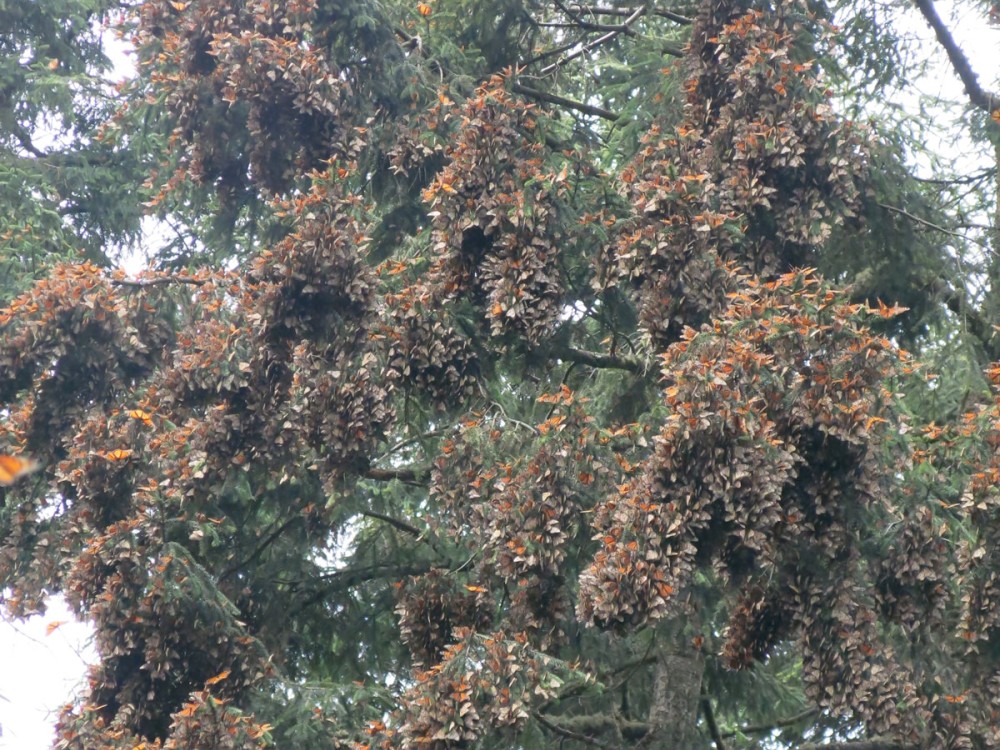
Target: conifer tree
[(525, 374)]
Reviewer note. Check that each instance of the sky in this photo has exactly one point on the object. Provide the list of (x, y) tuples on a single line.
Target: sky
[(45, 658), (40, 672)]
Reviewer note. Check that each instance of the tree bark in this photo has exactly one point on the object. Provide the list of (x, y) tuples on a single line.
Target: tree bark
[(673, 713)]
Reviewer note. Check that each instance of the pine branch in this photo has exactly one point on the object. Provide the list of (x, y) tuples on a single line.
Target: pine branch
[(987, 101)]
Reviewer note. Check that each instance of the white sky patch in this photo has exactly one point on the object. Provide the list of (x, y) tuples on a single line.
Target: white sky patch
[(41, 672)]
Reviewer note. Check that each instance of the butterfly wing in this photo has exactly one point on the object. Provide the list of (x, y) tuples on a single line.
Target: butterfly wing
[(13, 468)]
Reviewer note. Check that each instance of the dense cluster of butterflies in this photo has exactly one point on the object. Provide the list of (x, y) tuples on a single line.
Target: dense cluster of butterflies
[(13, 468)]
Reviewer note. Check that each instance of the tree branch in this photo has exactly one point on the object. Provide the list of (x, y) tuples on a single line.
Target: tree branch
[(562, 101), (713, 728), (772, 725), (25, 140), (929, 224), (419, 475), (626, 24), (394, 522), (984, 174), (601, 361), (341, 580), (592, 26), (980, 98), (596, 10), (568, 733), (259, 550), (596, 724), (860, 745), (158, 281)]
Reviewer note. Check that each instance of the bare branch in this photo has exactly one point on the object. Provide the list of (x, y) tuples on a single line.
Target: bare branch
[(409, 475), (983, 174), (590, 725), (25, 140), (980, 98), (601, 361), (158, 281), (591, 25), (931, 225), (561, 101), (394, 522)]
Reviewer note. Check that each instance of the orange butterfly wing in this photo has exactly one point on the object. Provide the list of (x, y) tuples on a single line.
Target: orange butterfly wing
[(119, 454), (13, 468), (143, 416)]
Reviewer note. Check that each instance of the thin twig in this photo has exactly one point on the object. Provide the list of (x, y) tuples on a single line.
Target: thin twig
[(595, 43), (503, 412), (932, 225)]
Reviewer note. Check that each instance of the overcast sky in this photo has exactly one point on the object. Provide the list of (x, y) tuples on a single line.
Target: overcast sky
[(41, 671)]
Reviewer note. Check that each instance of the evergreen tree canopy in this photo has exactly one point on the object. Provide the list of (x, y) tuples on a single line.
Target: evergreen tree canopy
[(515, 374)]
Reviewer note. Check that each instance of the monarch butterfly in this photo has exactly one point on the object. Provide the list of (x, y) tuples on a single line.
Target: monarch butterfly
[(143, 416), (119, 454), (13, 468)]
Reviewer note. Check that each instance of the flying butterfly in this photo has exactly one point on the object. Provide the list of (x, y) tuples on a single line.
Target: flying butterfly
[(13, 468)]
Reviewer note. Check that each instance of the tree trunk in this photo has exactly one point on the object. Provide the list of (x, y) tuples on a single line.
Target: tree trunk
[(673, 712)]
